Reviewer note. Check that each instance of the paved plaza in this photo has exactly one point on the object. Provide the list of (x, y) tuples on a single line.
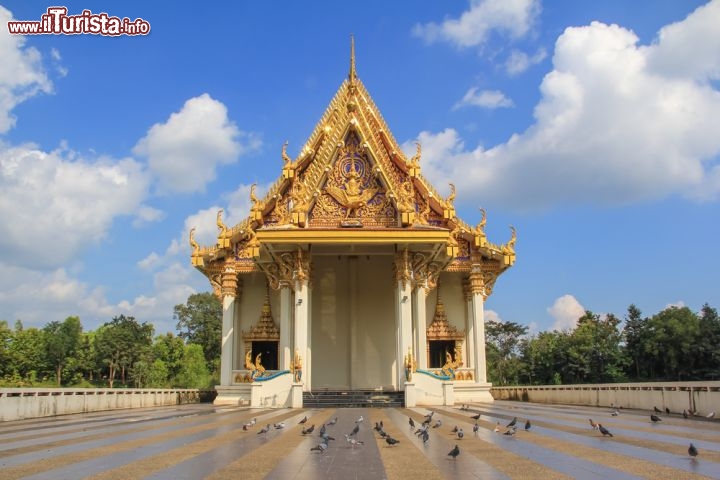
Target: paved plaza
[(201, 441)]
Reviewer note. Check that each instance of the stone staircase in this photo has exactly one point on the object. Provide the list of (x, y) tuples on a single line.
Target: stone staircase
[(353, 399)]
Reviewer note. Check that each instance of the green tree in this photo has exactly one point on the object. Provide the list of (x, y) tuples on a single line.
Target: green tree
[(199, 321), (708, 345), (120, 343), (671, 341), (635, 334), (502, 351), (544, 358), (6, 335), (61, 342), (595, 352), (194, 372), (26, 351), (170, 350)]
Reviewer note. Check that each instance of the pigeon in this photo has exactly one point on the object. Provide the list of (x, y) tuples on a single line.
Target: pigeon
[(355, 430), (667, 410), (332, 422), (326, 438), (382, 433), (615, 413), (438, 423), (657, 410), (391, 441), (454, 452), (476, 417), (253, 422), (310, 429), (604, 431), (710, 415), (655, 418), (454, 430), (359, 420), (460, 433), (377, 427), (412, 423), (352, 442), (512, 423), (692, 451), (420, 430), (321, 447), (497, 427), (425, 437), (279, 426), (511, 431), (476, 427), (322, 430), (245, 427), (381, 425), (685, 414), (593, 424), (303, 420), (264, 429), (528, 425)]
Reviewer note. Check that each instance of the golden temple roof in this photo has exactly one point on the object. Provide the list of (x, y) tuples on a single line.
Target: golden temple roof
[(352, 183)]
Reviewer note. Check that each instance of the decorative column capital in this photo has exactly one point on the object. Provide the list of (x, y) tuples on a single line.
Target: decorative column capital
[(229, 283), (403, 270)]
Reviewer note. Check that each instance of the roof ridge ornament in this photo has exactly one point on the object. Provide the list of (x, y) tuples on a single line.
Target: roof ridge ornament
[(352, 75)]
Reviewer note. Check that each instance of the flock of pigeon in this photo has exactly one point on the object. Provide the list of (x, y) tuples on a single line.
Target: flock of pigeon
[(423, 431), (654, 418)]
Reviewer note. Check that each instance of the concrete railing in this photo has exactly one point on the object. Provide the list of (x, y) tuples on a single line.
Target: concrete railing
[(20, 403), (700, 397)]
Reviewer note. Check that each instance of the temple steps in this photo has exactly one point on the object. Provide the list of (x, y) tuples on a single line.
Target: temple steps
[(353, 399)]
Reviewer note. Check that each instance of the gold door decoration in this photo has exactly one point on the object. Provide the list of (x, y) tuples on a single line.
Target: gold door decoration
[(441, 330), (264, 330)]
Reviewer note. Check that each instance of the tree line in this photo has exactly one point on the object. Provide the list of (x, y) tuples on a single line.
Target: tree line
[(675, 344), (121, 352)]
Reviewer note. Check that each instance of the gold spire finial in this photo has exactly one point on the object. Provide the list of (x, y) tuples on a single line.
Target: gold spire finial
[(352, 74)]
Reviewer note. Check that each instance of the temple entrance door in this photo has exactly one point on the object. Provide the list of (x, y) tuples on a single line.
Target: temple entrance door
[(353, 322)]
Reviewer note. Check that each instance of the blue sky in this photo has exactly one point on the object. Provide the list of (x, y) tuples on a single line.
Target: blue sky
[(592, 127)]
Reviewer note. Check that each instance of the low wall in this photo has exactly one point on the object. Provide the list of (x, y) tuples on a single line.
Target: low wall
[(20, 403), (700, 397)]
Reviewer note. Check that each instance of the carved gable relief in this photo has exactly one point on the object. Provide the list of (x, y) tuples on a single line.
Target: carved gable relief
[(352, 191)]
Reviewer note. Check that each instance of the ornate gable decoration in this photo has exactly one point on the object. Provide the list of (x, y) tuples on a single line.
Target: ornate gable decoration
[(265, 329), (440, 328)]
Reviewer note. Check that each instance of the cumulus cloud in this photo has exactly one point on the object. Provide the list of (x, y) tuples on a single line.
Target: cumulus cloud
[(21, 76), (617, 123), (185, 151), (566, 311), (62, 198), (489, 99), (147, 214), (513, 18)]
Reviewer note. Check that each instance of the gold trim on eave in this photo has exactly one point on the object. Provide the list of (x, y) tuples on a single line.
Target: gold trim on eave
[(352, 236)]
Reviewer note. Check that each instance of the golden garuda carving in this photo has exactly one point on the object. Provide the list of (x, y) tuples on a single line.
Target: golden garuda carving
[(353, 196)]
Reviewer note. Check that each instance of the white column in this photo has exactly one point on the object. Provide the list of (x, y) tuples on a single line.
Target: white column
[(403, 315), (469, 327), (478, 319), (228, 291), (420, 327), (286, 353), (300, 329)]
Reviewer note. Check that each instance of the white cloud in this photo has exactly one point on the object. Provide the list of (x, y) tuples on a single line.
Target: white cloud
[(519, 61), (55, 204), (185, 151), (612, 126), (511, 17), (21, 76), (566, 311), (490, 99), (147, 214)]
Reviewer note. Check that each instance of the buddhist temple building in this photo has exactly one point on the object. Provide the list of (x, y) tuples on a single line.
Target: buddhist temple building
[(352, 273)]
